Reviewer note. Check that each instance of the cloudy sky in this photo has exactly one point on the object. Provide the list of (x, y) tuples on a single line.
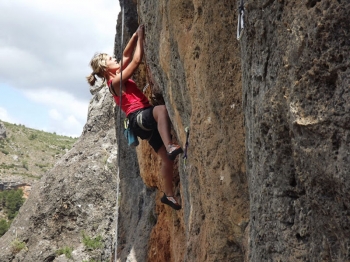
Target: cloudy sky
[(45, 49)]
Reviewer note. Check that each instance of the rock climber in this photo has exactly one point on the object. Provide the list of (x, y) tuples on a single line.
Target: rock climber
[(138, 109)]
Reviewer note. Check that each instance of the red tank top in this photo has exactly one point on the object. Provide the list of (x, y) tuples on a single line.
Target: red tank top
[(132, 99)]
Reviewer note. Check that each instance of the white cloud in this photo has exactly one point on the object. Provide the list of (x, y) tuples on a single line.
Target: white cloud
[(45, 49), (4, 116), (66, 125), (67, 114), (59, 102), (53, 113), (52, 42)]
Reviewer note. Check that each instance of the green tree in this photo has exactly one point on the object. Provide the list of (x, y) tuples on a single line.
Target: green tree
[(4, 226), (11, 201)]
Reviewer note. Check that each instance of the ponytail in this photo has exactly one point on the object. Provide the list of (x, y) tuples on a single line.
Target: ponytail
[(99, 66), (91, 79)]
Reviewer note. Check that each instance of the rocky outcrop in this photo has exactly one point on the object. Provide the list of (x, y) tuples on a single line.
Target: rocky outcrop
[(265, 177), (78, 196), (7, 185), (2, 131)]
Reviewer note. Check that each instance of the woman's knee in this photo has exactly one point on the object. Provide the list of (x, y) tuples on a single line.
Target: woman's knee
[(160, 111), (163, 109)]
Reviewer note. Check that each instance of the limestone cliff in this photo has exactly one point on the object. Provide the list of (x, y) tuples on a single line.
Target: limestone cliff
[(195, 60), (268, 156)]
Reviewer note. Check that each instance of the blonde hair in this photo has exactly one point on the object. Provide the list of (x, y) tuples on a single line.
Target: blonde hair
[(99, 65)]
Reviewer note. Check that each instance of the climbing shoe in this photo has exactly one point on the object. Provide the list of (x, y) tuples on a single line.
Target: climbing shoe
[(173, 150), (170, 201)]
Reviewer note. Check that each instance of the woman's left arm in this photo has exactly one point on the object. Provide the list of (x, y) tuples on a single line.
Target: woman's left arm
[(134, 63)]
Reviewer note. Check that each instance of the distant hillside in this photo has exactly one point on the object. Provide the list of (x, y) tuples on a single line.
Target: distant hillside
[(26, 154)]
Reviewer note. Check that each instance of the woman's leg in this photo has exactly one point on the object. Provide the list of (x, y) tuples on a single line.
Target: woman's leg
[(167, 156), (166, 172), (160, 114)]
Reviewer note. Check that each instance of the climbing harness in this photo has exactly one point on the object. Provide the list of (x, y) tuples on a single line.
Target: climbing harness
[(187, 130), (145, 88), (139, 122), (120, 132), (129, 134), (240, 24)]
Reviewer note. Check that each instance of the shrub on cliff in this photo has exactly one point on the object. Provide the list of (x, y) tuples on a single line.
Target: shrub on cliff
[(67, 251), (92, 243), (17, 246)]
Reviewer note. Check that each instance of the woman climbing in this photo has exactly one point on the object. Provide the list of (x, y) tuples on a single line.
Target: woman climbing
[(146, 121)]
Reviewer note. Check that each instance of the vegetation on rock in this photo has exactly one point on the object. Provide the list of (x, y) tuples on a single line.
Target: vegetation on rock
[(17, 246), (29, 153), (67, 251), (92, 243)]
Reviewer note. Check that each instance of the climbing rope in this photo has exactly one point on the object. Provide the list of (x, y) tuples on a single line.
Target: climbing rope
[(240, 24), (120, 131)]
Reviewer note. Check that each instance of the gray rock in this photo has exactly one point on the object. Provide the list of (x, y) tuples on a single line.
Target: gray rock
[(78, 195), (296, 78)]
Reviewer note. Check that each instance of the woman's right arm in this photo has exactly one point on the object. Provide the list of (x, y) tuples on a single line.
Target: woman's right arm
[(127, 53), (136, 60)]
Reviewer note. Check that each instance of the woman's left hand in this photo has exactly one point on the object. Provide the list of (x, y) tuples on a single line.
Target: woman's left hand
[(140, 30)]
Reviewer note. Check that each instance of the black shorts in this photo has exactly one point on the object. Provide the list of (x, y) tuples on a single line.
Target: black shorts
[(149, 123)]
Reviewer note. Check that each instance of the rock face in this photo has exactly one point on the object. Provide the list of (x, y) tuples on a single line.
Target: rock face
[(195, 60), (268, 155), (2, 131), (296, 78)]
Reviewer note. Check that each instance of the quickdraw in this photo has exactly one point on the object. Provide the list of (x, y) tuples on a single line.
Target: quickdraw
[(187, 130), (240, 25)]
